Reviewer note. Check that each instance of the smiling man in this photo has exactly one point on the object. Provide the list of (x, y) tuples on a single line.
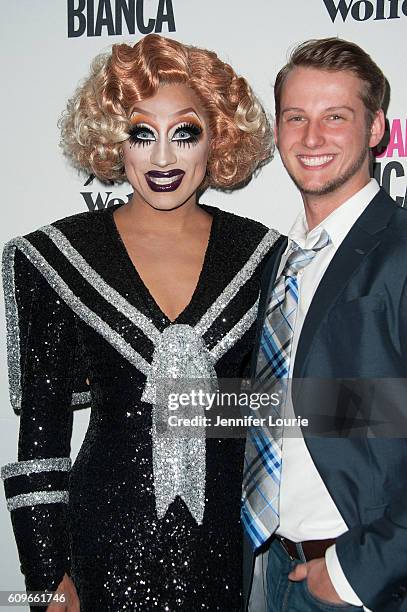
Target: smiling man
[(330, 512)]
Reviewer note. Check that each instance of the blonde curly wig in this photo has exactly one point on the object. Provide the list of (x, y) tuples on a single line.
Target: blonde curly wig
[(97, 118)]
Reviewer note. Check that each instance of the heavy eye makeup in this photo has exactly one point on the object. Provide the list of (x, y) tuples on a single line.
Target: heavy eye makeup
[(186, 134), (140, 134)]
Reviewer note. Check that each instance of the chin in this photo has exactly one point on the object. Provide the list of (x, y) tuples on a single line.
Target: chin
[(161, 204), (313, 187)]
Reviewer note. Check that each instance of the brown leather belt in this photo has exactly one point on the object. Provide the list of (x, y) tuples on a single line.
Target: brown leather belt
[(312, 549)]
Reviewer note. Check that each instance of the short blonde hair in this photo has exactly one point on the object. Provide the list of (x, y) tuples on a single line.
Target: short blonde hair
[(336, 55), (96, 121)]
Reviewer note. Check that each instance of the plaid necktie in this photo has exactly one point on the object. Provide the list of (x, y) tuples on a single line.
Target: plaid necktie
[(262, 471)]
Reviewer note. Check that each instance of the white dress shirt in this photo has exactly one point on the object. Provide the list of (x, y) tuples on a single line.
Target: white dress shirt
[(307, 511)]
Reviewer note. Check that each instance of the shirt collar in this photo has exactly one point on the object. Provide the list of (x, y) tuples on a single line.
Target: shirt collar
[(338, 223)]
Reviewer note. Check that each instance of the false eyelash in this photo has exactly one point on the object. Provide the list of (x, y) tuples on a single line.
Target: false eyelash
[(194, 134), (135, 130), (196, 131)]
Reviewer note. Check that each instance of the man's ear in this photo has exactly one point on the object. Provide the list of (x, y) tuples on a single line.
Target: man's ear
[(377, 129), (275, 131)]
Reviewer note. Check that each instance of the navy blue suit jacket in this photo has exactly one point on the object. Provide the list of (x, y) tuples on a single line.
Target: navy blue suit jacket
[(356, 329)]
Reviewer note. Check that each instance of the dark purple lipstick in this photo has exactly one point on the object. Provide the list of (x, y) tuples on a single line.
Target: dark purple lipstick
[(162, 181)]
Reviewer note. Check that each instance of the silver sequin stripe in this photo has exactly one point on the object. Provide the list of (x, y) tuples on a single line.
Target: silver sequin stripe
[(104, 289), (237, 282), (235, 333), (13, 332), (35, 466), (38, 497), (87, 315), (80, 398)]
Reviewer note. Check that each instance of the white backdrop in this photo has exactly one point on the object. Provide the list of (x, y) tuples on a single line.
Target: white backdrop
[(46, 49)]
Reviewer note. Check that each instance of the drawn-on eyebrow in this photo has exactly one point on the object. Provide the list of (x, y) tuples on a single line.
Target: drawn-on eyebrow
[(141, 111), (184, 111)]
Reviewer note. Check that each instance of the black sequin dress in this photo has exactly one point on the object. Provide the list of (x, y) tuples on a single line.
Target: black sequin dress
[(84, 330)]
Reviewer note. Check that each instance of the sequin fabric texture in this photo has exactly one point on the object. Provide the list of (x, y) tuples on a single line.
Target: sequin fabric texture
[(83, 329)]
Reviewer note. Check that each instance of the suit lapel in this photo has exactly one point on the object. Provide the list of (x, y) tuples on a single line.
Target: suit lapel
[(361, 240)]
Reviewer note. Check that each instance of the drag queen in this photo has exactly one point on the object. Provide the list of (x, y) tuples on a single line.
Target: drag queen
[(102, 305)]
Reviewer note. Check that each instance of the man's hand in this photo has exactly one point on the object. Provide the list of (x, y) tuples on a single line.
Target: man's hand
[(317, 577), (71, 603)]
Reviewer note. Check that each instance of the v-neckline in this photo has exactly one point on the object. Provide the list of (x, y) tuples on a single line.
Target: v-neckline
[(136, 280)]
